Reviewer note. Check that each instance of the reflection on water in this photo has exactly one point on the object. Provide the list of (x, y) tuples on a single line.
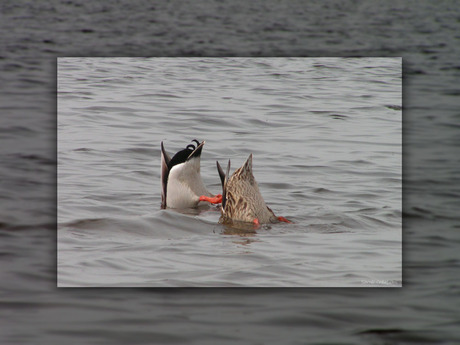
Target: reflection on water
[(239, 228), (245, 241), (195, 211)]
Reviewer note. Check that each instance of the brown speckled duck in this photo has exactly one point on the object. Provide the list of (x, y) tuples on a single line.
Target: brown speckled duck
[(241, 198)]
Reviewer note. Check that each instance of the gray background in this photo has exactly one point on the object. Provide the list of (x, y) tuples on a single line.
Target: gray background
[(425, 310)]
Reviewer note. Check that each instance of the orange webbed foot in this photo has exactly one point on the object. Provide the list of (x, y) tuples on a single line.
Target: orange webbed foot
[(282, 219), (213, 200), (256, 223)]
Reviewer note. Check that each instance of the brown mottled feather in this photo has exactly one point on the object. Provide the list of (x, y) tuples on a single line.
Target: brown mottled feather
[(244, 202)]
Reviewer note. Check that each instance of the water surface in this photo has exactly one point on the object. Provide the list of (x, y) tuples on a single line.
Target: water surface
[(326, 138), (34, 311)]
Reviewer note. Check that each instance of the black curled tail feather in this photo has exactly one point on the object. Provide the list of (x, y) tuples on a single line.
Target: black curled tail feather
[(192, 146)]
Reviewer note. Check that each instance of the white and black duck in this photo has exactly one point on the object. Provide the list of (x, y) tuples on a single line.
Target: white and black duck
[(181, 183)]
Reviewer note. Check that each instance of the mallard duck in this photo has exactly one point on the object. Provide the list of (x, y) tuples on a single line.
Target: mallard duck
[(241, 198), (181, 183)]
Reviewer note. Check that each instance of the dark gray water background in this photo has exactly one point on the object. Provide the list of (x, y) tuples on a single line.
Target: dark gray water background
[(424, 310)]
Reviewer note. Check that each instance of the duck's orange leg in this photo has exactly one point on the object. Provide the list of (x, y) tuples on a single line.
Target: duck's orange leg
[(256, 223), (213, 200), (282, 219)]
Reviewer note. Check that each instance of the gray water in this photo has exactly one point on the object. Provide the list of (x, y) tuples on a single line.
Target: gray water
[(34, 311), (326, 139)]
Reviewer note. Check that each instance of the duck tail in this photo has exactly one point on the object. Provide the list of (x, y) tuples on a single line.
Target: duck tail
[(223, 179), (165, 160)]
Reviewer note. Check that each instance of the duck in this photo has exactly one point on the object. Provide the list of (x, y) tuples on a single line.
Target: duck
[(181, 183), (241, 198)]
